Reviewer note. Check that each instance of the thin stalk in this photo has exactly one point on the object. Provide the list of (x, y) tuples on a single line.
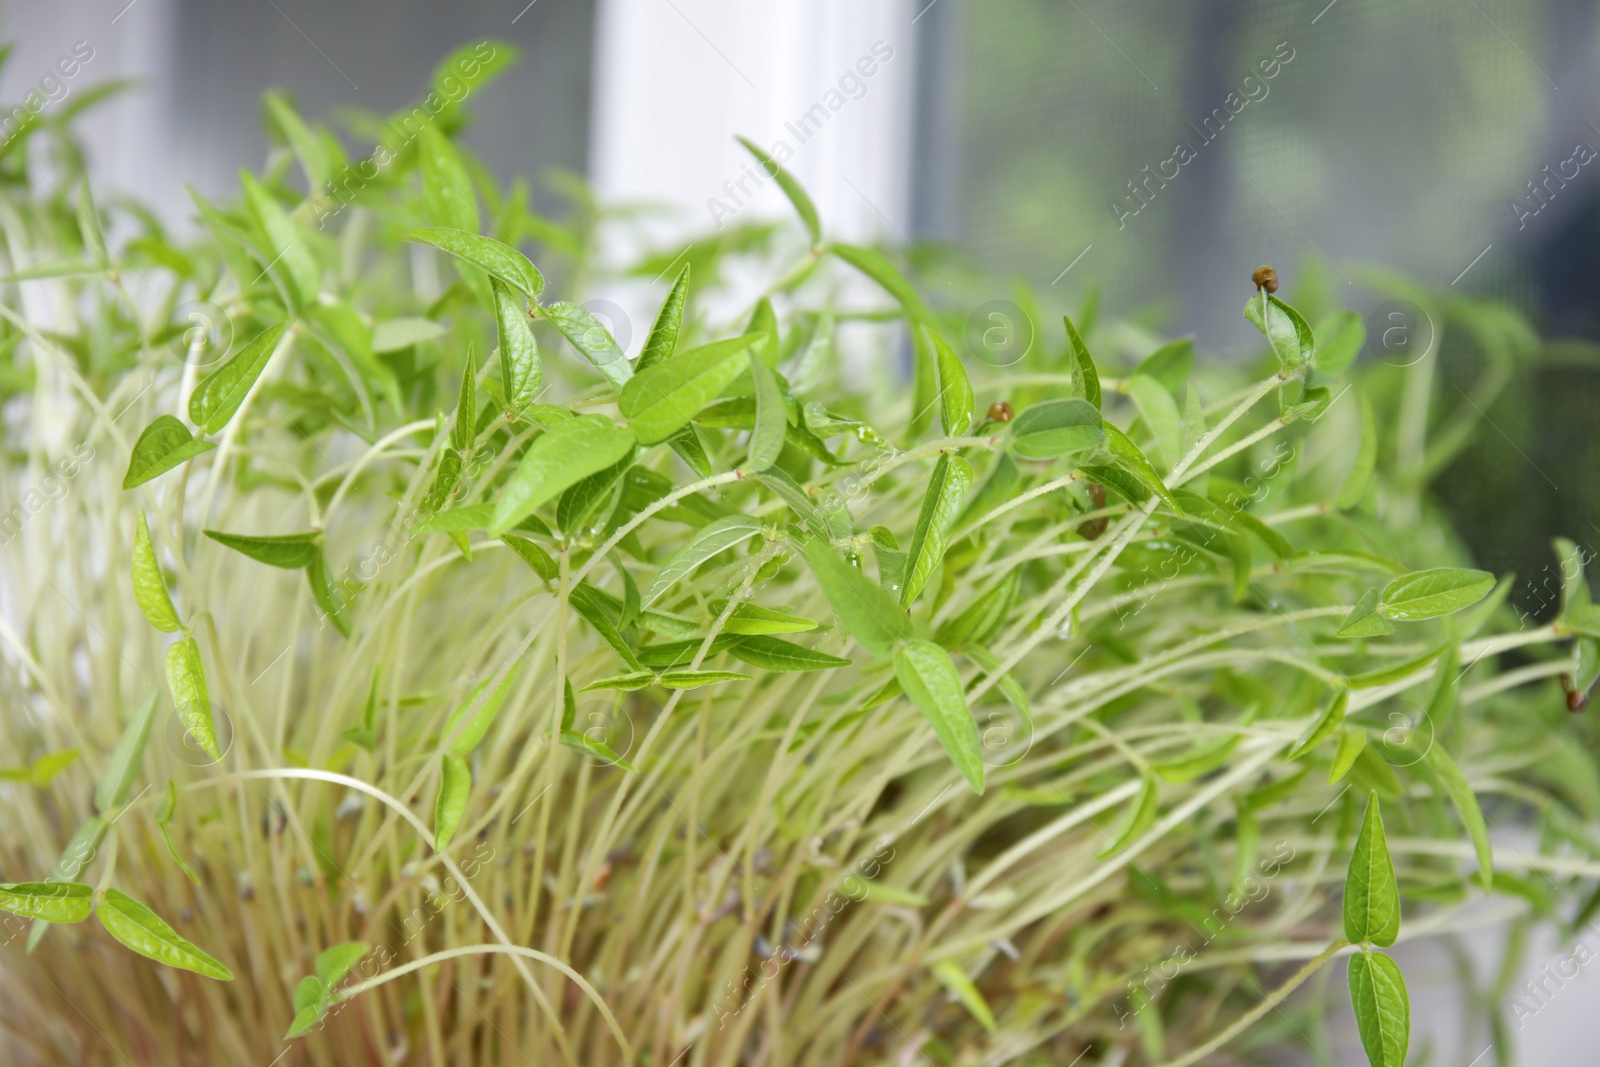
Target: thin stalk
[(1271, 1001)]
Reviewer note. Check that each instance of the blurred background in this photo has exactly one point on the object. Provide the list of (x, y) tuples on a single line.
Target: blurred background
[(1152, 152)]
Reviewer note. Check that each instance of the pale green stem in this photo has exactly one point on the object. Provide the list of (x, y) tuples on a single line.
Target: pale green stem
[(368, 456), (422, 830), (505, 950), (1249, 1018)]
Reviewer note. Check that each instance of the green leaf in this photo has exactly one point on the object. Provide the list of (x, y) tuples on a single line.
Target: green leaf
[(123, 766), (1431, 593), (662, 399), (541, 561), (631, 606), (94, 241), (763, 325), (46, 768), (1352, 742), (953, 978), (627, 683), (1585, 663), (1339, 339), (863, 609), (1141, 816), (1331, 719), (696, 679), (588, 505), (456, 520), (164, 444), (1286, 331), (149, 588), (164, 816), (478, 713), (1197, 763), (598, 749), (689, 447), (464, 430), (325, 593), (1132, 460), (592, 340), (289, 551), (496, 258), (766, 440), (928, 676), (715, 537), (1396, 671), (51, 902), (1160, 413), (521, 375), (663, 339), (956, 400), (879, 269), (780, 657), (140, 929), (308, 149), (455, 786), (878, 893), (1371, 895), (924, 382), (1169, 365), (1443, 701), (980, 618), (1056, 427), (286, 248), (891, 560), (186, 679), (562, 455), (219, 395), (447, 195), (1274, 793), (1364, 619), (596, 610), (1382, 1008), (1085, 381), (310, 1005), (456, 77), (1010, 688), (941, 504), (334, 962), (1276, 543), (446, 478), (394, 335), (1466, 803), (748, 618), (791, 189), (790, 492), (361, 737), (1574, 588), (1194, 418), (1126, 485), (1359, 480)]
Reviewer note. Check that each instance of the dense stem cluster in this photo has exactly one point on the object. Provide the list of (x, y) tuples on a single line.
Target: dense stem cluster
[(423, 675)]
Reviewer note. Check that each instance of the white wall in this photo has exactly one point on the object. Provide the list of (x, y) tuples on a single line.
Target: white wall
[(677, 79), (131, 137)]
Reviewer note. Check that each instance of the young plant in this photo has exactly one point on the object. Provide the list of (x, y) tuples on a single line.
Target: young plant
[(769, 709)]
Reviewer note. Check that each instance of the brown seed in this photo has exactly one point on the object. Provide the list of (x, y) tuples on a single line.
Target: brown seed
[(1265, 278), (1092, 529), (1000, 411), (1577, 701)]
